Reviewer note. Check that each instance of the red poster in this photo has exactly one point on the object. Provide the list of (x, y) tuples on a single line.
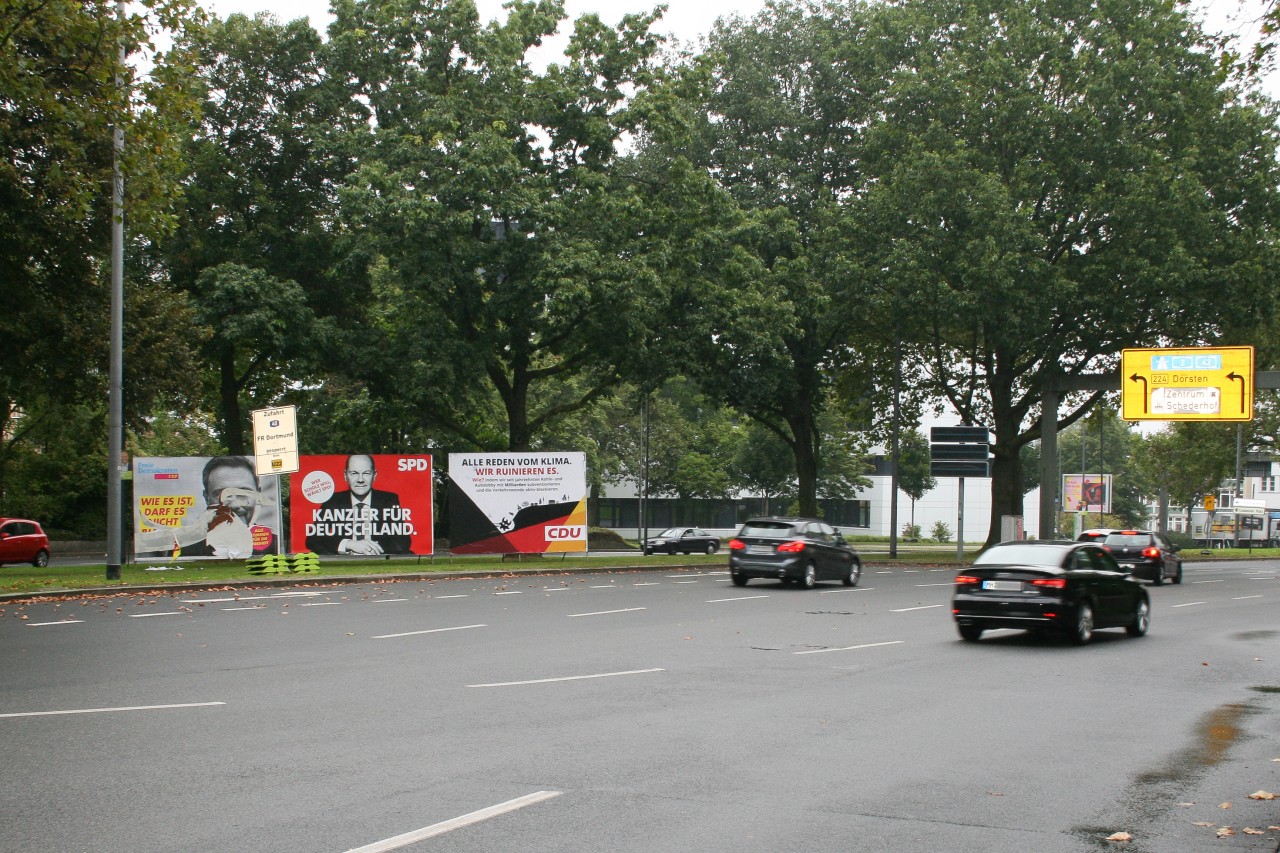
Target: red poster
[(361, 505)]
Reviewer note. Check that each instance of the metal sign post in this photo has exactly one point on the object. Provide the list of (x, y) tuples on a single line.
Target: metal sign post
[(960, 451)]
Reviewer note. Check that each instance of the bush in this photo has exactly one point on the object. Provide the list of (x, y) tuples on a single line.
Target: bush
[(604, 539), (941, 532), (911, 531)]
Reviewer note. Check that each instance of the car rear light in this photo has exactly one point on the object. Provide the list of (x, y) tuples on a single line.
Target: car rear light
[(1051, 583), (737, 545), (966, 579), (791, 547), (1151, 552)]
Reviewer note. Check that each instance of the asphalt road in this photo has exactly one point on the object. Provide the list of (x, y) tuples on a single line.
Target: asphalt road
[(646, 711)]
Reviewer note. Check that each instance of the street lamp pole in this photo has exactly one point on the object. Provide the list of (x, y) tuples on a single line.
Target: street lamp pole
[(115, 391)]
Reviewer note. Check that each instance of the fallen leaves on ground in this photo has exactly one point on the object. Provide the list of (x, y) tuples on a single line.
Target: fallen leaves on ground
[(1249, 830), (1225, 832), (1262, 795), (1120, 837)]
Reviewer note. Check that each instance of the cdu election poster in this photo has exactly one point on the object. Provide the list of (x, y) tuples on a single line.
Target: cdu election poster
[(361, 505), (517, 503)]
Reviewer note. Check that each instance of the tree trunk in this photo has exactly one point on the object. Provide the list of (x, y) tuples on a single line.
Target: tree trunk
[(806, 452), (1006, 479), (229, 391)]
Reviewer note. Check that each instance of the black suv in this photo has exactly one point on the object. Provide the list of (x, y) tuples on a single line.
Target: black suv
[(1148, 555), (803, 550)]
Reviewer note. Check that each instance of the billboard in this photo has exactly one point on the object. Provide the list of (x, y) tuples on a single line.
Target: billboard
[(517, 503), (1086, 493), (362, 505), (204, 506)]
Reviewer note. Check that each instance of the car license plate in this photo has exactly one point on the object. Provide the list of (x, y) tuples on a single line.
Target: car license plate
[(759, 549), (1003, 586)]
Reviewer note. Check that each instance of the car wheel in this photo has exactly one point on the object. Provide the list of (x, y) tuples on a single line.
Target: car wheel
[(855, 572), (1178, 577), (1159, 581), (739, 580), (711, 547), (810, 578), (969, 633), (40, 560), (1082, 627), (1141, 619)]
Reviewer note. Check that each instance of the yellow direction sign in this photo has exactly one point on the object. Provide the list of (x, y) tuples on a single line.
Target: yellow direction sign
[(1189, 384)]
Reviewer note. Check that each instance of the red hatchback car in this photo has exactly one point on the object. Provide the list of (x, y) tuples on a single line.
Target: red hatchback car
[(23, 541)]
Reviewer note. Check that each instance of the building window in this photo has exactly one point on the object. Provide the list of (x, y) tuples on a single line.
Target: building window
[(1268, 484)]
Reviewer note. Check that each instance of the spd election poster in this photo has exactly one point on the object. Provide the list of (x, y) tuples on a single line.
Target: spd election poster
[(517, 503), (361, 505)]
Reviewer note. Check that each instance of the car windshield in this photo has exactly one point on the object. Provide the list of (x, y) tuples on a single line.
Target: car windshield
[(765, 528), (1129, 540), (1023, 554), (671, 533)]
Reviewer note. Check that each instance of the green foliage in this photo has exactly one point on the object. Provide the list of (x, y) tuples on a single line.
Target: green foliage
[(911, 532), (914, 477), (941, 531), (1055, 184)]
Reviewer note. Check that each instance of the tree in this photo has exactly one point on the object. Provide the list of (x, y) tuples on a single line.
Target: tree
[(1187, 460), (64, 94), (512, 247), (255, 248), (914, 475), (1056, 183), (788, 95)]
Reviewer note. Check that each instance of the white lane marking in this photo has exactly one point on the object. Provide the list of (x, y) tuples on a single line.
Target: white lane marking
[(884, 572), (847, 589), (454, 823), (386, 600), (162, 613), (249, 597), (249, 607), (1243, 597), (1219, 580), (699, 575), (510, 592), (567, 678), (647, 583), (740, 598), (948, 583), (443, 597), (1189, 604), (108, 710), (849, 648), (428, 631), (909, 609), (607, 612), (687, 581), (63, 622), (603, 586), (555, 589), (319, 603)]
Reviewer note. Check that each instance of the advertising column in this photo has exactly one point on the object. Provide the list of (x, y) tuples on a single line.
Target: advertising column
[(517, 503)]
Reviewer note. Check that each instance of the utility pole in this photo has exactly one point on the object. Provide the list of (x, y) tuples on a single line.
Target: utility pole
[(115, 391)]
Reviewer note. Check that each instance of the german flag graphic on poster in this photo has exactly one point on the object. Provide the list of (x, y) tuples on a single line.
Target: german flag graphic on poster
[(517, 503)]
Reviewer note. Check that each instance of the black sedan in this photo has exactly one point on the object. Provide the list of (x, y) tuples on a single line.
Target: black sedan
[(1076, 587), (800, 550), (1149, 555), (684, 540)]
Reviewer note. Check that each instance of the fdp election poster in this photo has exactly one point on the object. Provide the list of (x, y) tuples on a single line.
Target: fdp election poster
[(361, 505), (202, 506), (517, 503)]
